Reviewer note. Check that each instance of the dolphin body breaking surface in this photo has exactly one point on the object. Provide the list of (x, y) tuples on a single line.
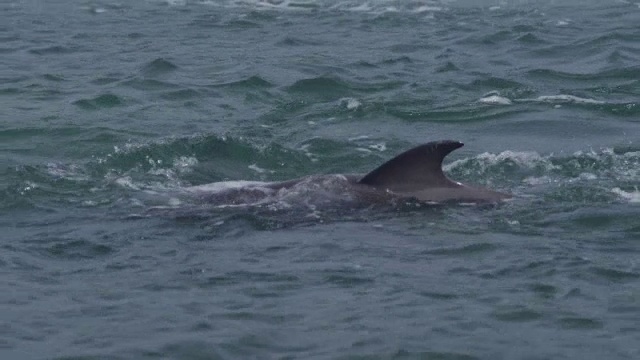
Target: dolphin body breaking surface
[(415, 174)]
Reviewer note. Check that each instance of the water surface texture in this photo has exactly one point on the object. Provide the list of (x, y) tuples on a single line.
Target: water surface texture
[(110, 109)]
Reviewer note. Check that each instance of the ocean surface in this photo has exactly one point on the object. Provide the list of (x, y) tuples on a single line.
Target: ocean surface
[(109, 110)]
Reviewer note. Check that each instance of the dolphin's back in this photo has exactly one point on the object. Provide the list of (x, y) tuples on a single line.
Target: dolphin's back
[(416, 173), (418, 168)]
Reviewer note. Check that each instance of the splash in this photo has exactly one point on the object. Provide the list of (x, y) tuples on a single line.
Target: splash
[(159, 173), (350, 103), (521, 159), (584, 176)]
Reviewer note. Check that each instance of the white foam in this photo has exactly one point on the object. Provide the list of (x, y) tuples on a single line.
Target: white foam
[(305, 149), (181, 165), (376, 7), (350, 103), (227, 185), (425, 8), (29, 185), (69, 172), (563, 99), (168, 173), (520, 157), (588, 176), (380, 147), (126, 182), (527, 159), (495, 100), (357, 138), (94, 9), (364, 7), (185, 164), (537, 180), (630, 196), (258, 169)]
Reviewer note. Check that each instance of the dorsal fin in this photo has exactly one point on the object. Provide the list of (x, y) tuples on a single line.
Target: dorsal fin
[(419, 167)]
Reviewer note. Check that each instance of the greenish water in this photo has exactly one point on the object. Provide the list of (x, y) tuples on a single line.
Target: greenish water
[(109, 109)]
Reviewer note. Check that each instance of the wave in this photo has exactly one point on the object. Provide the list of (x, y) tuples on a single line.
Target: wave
[(380, 6), (153, 178), (618, 108), (397, 6), (102, 101), (205, 159), (624, 73)]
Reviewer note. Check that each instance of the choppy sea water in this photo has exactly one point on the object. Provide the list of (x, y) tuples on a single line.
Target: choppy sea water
[(108, 109)]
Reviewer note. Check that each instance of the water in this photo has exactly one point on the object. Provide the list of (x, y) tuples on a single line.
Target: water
[(110, 108)]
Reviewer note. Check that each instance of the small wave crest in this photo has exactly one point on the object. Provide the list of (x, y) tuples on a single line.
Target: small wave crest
[(632, 196), (363, 6), (500, 167), (582, 175), (495, 98), (161, 173), (223, 186), (563, 99)]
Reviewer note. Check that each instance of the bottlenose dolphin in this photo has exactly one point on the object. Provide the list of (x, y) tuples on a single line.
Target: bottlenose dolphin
[(414, 174), (417, 173)]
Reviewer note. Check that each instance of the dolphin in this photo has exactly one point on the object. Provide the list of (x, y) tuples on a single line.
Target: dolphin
[(415, 174)]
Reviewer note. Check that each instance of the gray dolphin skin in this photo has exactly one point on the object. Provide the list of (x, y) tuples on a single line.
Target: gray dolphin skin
[(414, 174), (417, 173)]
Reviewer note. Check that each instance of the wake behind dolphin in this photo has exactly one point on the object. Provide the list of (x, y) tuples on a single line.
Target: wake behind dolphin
[(414, 175)]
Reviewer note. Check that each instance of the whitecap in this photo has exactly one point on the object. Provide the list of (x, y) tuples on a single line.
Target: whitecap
[(563, 99), (537, 180), (184, 164), (495, 100), (69, 172), (357, 138), (528, 159), (379, 147), (126, 182), (305, 149), (257, 169), (630, 196), (227, 185), (425, 8), (350, 103)]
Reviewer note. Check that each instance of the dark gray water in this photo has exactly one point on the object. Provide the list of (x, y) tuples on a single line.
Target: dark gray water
[(110, 109)]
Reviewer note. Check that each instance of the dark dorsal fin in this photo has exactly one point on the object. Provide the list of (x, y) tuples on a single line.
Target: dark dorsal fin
[(419, 167)]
